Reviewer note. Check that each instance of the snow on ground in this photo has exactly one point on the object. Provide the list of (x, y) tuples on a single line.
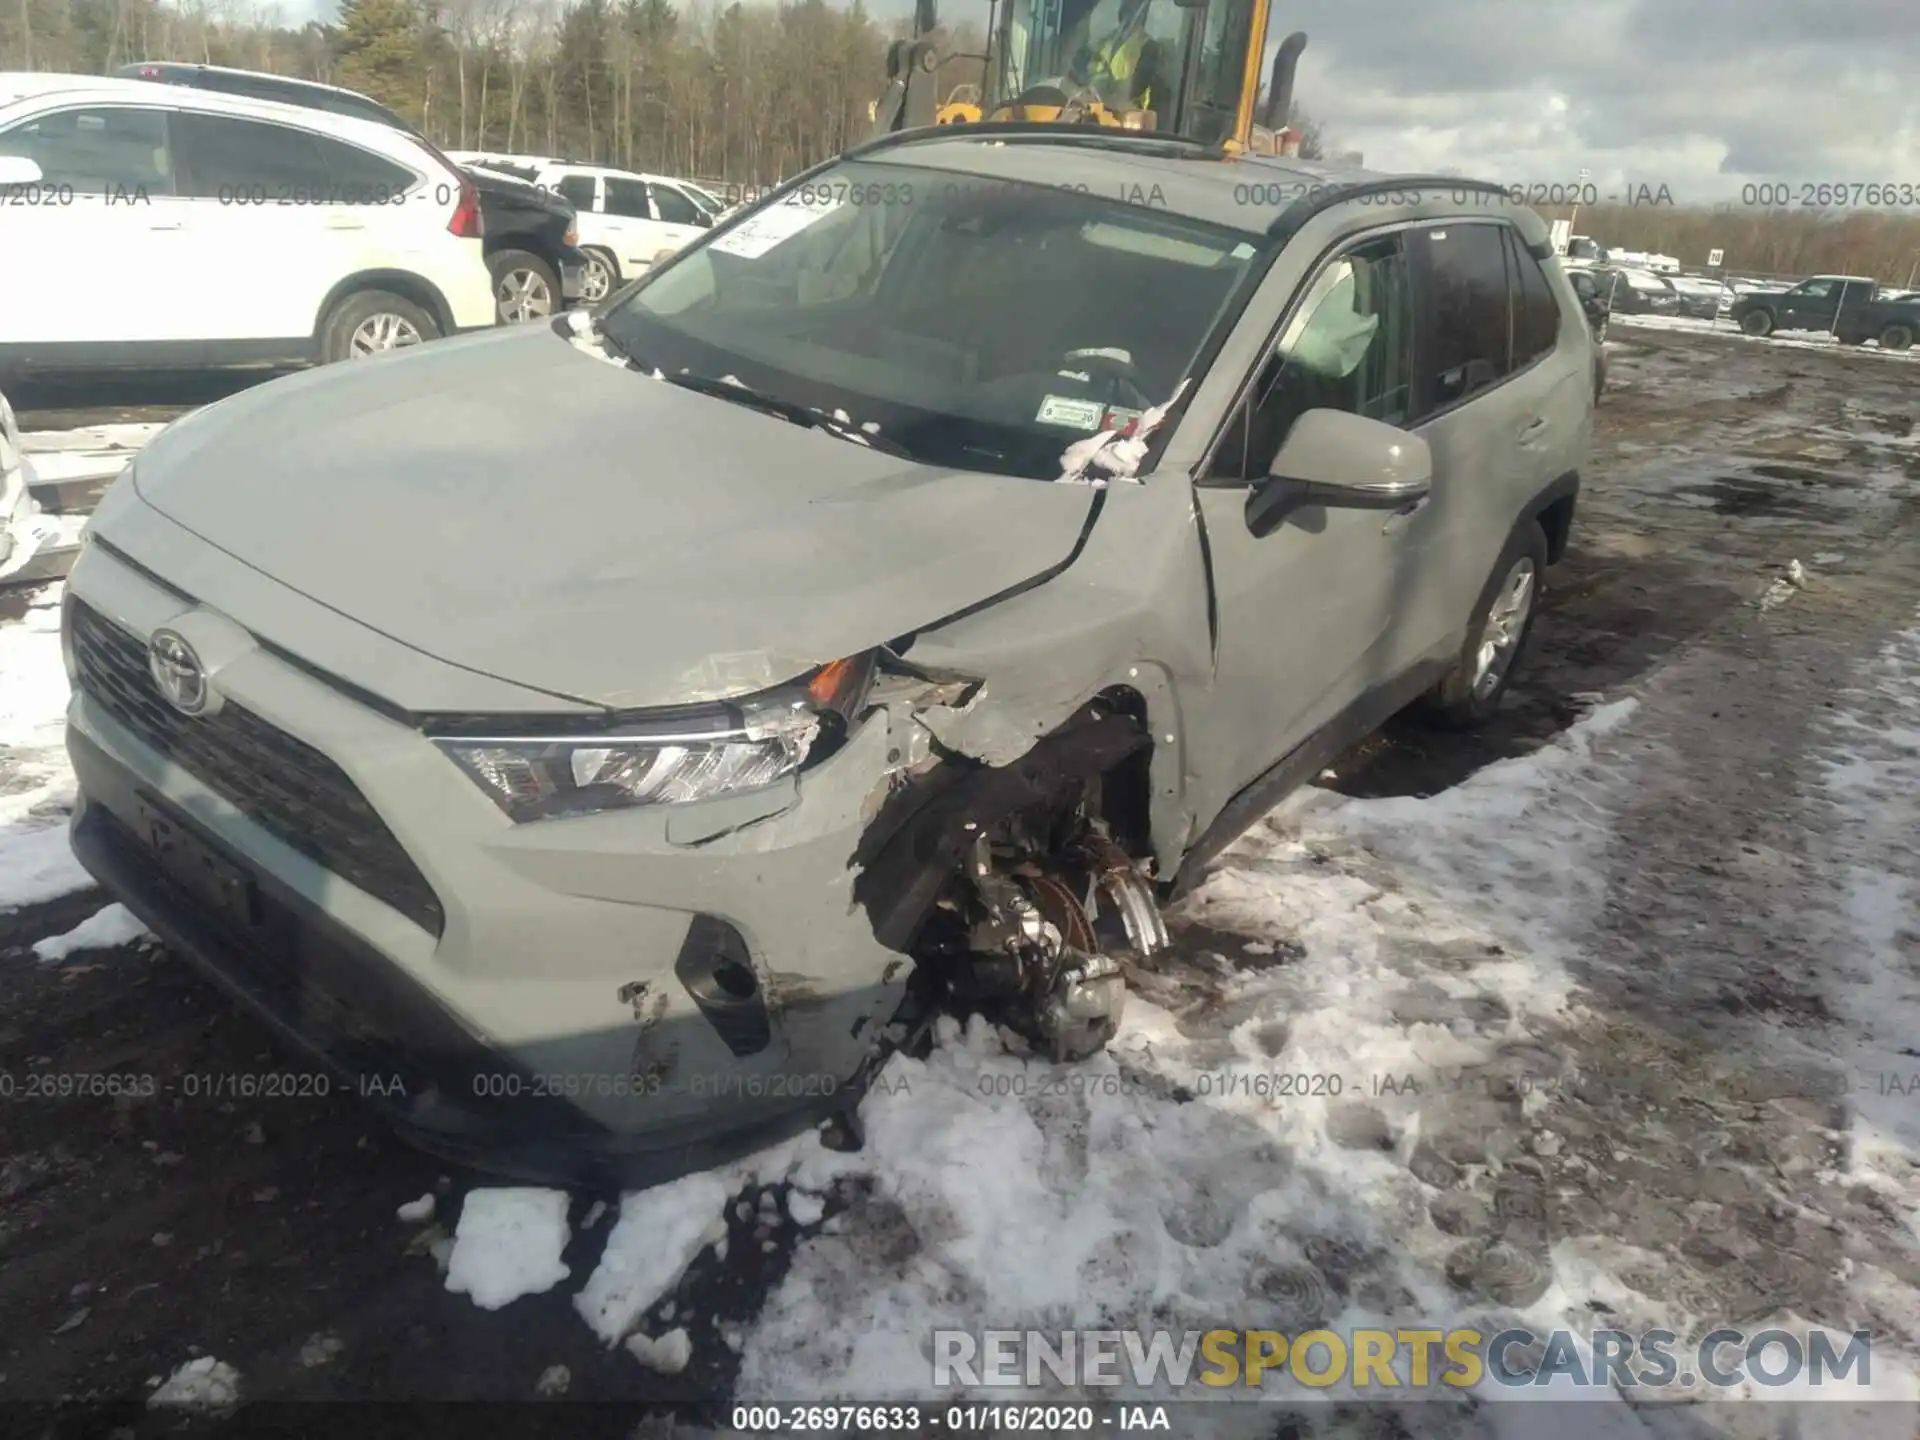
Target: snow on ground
[(1805, 340), (36, 784), (1872, 775), (508, 1244), (104, 929), (202, 1384), (1286, 1170)]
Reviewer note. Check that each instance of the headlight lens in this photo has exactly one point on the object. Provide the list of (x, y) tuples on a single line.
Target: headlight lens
[(665, 757)]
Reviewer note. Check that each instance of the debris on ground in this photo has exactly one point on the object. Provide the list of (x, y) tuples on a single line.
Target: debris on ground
[(415, 1211), (669, 1354), (508, 1244)]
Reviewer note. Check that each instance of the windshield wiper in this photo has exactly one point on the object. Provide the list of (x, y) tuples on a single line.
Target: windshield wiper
[(789, 410)]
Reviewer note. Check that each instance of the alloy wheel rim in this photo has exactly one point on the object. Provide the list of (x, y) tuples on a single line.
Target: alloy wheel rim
[(597, 279), (524, 295), (382, 332), (1506, 623)]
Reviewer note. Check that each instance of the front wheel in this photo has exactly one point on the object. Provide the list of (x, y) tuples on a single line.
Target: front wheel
[(373, 322), (1502, 621), (1756, 322)]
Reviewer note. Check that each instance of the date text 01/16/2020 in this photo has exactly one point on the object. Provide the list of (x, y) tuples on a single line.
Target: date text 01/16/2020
[(194, 1085), (961, 1419)]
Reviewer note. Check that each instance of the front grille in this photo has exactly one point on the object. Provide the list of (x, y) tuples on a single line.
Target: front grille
[(285, 786)]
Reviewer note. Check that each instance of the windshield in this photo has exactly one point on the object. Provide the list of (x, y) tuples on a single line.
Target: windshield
[(980, 324)]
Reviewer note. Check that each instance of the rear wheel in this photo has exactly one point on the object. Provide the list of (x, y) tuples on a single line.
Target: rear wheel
[(524, 287), (602, 277), (1497, 633), (1896, 337), (372, 322), (1756, 322)]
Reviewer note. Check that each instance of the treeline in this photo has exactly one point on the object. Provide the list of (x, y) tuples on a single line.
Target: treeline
[(741, 91), (1761, 242)]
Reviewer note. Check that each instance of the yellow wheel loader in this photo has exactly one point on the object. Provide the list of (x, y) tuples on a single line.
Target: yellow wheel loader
[(1184, 67)]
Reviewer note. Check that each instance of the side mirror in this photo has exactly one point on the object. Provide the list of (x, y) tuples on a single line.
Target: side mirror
[(19, 170), (1341, 462), (706, 220)]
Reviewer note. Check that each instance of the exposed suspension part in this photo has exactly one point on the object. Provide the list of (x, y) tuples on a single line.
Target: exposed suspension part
[(1049, 932)]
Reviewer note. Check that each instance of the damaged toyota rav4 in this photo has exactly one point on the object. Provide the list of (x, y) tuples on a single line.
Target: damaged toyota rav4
[(914, 584)]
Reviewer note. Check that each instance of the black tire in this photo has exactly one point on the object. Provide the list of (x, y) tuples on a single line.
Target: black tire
[(603, 259), (1756, 322), (337, 335), (1896, 337), (1457, 701), (521, 279)]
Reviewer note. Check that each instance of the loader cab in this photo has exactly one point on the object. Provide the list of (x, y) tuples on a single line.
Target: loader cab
[(1185, 67)]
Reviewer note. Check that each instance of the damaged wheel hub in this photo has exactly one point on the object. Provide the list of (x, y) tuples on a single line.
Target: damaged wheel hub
[(1053, 938)]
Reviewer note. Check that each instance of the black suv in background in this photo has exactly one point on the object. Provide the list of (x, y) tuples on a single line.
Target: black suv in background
[(528, 234)]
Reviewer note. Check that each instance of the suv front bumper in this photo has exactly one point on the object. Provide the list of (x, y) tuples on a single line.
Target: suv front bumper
[(563, 1024)]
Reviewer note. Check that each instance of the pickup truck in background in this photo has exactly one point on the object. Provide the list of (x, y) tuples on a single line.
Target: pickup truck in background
[(1850, 307)]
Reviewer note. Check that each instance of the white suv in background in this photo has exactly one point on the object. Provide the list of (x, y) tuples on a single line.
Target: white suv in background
[(627, 219), (149, 224)]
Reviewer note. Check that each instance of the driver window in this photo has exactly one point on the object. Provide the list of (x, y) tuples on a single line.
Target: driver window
[(1348, 347), (1817, 289)]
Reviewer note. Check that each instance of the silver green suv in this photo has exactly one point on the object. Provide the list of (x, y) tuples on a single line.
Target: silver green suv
[(918, 580)]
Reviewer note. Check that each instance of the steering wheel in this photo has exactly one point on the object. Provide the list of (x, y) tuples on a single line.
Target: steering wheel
[(1126, 385), (1062, 94)]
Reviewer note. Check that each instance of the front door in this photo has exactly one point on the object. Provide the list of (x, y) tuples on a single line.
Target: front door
[(99, 252), (629, 221), (1305, 612)]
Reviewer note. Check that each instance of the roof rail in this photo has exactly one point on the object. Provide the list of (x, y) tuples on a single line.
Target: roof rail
[(1294, 218), (1106, 137)]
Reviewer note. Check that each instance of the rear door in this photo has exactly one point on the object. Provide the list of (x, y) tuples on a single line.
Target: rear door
[(103, 254), (285, 214), (1486, 419)]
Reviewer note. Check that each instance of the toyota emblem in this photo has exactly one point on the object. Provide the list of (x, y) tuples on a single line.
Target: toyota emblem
[(177, 671)]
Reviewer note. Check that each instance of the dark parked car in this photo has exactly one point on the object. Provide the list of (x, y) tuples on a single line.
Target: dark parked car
[(1849, 306), (1593, 304), (1636, 292), (528, 234)]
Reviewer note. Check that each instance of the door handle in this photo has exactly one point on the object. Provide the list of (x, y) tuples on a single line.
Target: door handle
[(345, 222), (1532, 429), (166, 225)]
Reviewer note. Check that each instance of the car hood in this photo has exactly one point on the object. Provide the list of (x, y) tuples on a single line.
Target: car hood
[(518, 507)]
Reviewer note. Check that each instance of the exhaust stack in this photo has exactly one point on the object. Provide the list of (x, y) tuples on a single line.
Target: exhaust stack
[(1280, 87)]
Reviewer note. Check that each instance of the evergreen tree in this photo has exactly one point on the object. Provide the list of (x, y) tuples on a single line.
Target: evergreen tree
[(378, 53)]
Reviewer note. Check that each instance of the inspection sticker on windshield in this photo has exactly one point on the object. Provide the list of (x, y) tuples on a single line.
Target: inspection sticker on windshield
[(1061, 410), (755, 237)]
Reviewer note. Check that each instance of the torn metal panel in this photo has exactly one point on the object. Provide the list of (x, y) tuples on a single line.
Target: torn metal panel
[(1130, 613)]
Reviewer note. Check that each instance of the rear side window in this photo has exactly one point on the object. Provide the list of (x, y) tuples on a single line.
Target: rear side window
[(627, 197), (256, 162), (577, 190), (1349, 347), (1468, 321), (359, 176), (673, 207), (248, 161), (1536, 314), (98, 149)]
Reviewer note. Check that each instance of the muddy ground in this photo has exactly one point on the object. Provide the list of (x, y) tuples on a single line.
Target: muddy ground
[(133, 1232)]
